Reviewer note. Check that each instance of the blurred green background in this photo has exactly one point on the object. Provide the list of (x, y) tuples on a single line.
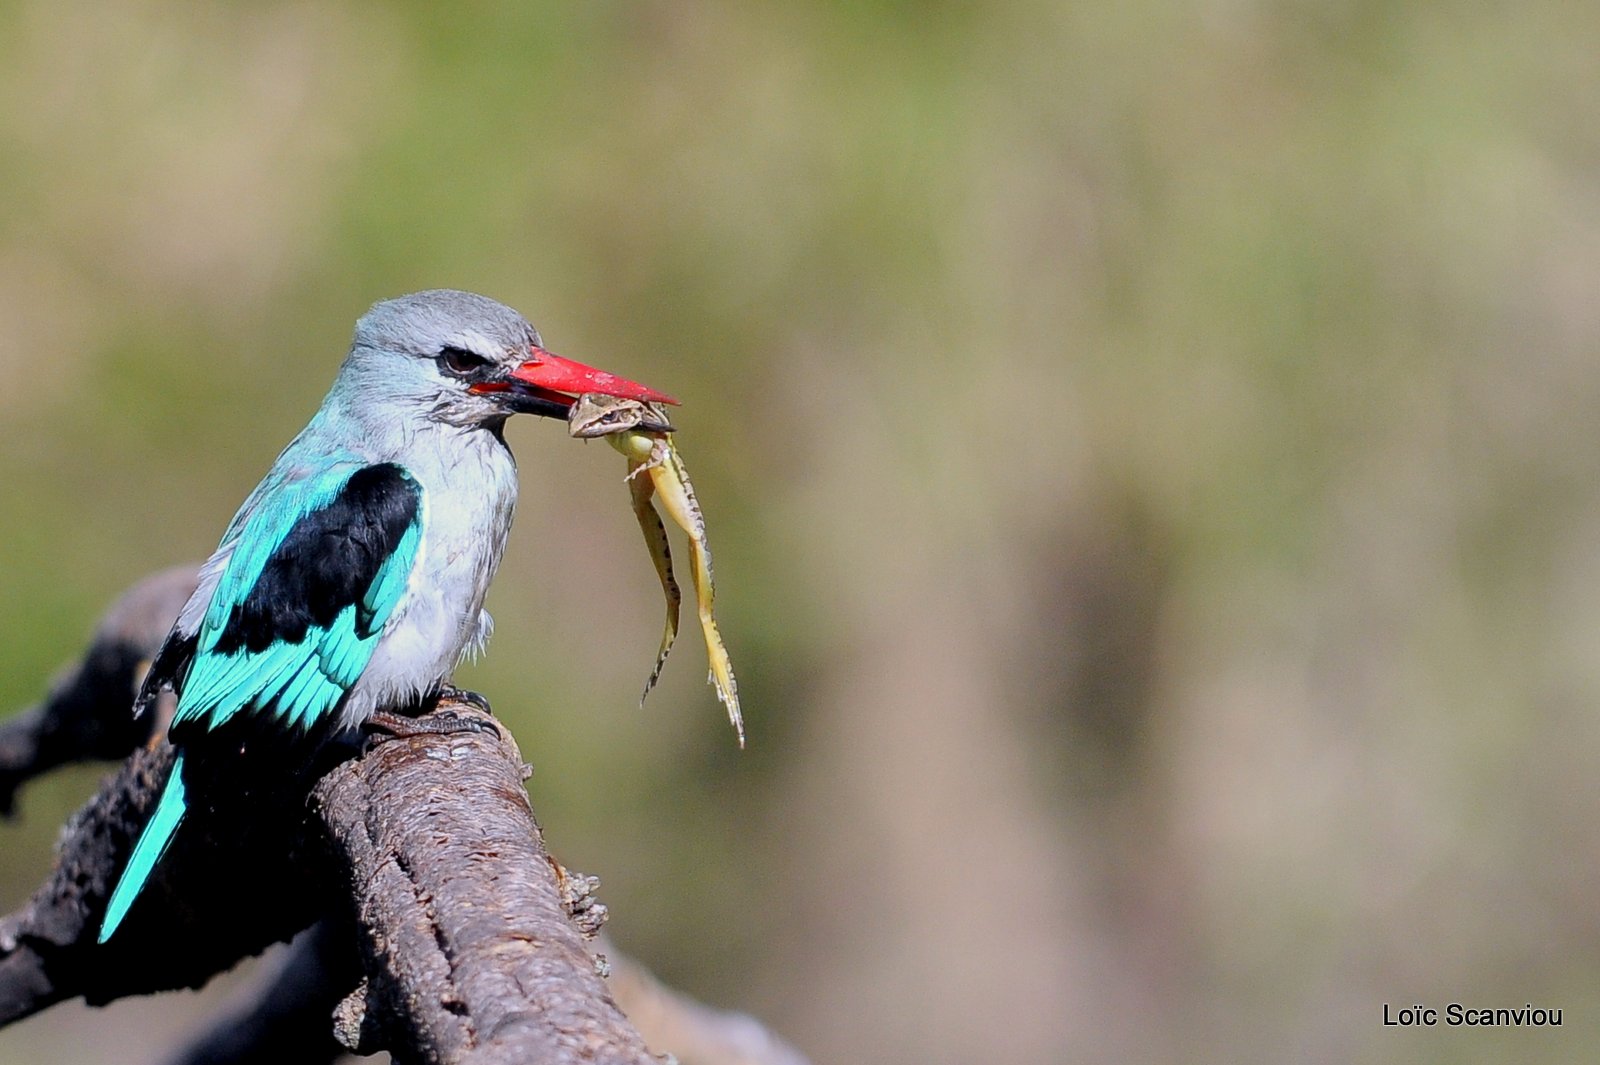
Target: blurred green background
[(1151, 452)]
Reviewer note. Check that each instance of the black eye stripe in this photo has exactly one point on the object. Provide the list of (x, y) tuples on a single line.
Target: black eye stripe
[(460, 361)]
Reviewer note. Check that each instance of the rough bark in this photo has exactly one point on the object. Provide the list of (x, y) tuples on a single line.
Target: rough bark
[(470, 950)]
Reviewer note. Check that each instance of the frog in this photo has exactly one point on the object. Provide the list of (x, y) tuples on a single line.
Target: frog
[(595, 415), (643, 434)]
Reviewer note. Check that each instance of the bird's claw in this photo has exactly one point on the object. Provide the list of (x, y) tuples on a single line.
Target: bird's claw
[(449, 693), (452, 721)]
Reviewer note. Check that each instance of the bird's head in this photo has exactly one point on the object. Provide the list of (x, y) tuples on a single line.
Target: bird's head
[(466, 360)]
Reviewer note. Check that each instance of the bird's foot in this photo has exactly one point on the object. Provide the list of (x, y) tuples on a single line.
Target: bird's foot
[(387, 724)]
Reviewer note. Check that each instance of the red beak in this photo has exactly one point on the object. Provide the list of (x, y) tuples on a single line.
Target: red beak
[(555, 374)]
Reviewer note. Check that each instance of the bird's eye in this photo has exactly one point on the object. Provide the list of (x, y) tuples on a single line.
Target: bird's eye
[(461, 362)]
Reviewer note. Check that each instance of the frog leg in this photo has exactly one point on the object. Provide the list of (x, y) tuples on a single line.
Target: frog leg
[(655, 537), (721, 676), (671, 479), (677, 494)]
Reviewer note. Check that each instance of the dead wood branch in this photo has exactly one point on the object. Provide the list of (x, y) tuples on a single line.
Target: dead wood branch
[(468, 943)]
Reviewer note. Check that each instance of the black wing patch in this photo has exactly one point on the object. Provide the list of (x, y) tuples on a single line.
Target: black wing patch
[(327, 562), (167, 669)]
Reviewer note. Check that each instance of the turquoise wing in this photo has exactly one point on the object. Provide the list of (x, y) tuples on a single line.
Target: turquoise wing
[(317, 568)]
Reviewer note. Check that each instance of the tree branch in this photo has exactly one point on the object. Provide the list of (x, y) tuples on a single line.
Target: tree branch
[(467, 940)]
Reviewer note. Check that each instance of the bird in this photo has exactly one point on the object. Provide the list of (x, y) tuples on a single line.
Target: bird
[(352, 579)]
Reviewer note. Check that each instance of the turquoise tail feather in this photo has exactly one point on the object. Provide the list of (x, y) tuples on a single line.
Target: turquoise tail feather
[(153, 842)]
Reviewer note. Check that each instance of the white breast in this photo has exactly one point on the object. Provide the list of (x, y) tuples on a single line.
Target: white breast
[(469, 492)]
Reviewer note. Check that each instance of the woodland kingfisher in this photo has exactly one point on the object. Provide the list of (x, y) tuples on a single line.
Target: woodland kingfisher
[(352, 580)]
